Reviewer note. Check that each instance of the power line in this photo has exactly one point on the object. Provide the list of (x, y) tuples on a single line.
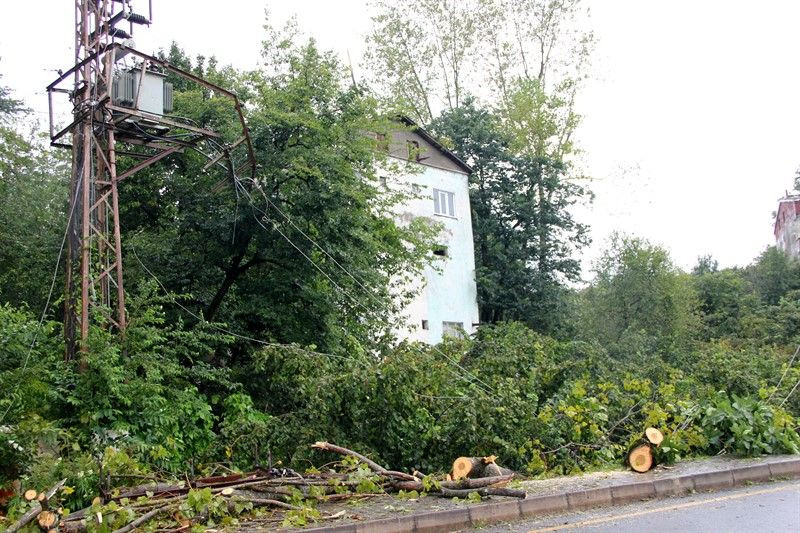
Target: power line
[(294, 348), (791, 362), (49, 294), (475, 379)]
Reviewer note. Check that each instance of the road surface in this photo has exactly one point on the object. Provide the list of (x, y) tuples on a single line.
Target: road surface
[(771, 507)]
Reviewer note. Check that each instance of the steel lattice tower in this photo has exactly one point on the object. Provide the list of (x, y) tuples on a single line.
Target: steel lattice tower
[(94, 272)]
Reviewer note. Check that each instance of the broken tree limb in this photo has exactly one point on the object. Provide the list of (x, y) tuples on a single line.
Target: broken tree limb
[(144, 518), (35, 509), (375, 467), (487, 491), (478, 483), (261, 502), (463, 484)]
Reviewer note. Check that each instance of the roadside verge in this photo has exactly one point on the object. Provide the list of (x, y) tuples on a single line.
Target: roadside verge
[(619, 494)]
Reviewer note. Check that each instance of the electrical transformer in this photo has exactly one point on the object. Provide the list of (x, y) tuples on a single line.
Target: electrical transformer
[(154, 92)]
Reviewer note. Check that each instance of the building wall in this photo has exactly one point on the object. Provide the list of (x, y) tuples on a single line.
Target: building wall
[(448, 290), (787, 227)]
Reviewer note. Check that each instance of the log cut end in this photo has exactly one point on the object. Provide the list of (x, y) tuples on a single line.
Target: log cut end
[(30, 495), (47, 519), (463, 466), (641, 458), (654, 436)]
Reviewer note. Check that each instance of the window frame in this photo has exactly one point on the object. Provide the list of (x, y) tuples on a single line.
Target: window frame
[(449, 204)]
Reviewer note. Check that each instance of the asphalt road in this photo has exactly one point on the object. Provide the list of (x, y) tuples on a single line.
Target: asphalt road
[(771, 507)]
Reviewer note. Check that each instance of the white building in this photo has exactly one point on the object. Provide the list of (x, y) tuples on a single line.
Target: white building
[(447, 300), (787, 226)]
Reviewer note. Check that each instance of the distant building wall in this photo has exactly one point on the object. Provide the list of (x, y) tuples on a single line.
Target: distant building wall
[(787, 226)]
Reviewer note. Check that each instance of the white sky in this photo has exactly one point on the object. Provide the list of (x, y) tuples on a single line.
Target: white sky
[(692, 115)]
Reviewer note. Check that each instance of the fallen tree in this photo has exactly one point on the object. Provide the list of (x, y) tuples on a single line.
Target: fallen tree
[(282, 490)]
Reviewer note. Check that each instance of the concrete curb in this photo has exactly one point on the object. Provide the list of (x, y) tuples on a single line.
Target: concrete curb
[(510, 510)]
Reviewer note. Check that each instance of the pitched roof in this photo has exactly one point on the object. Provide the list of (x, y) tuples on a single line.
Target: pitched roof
[(419, 130)]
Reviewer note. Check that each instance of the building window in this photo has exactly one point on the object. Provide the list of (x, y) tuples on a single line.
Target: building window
[(440, 250), (384, 182), (443, 203), (413, 150), (453, 329), (425, 324)]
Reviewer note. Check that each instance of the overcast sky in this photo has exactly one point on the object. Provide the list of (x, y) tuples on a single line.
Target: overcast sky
[(692, 114)]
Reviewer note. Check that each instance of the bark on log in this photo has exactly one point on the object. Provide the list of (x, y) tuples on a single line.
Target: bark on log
[(641, 458), (375, 467), (463, 484), (487, 491), (144, 518), (35, 509), (476, 467)]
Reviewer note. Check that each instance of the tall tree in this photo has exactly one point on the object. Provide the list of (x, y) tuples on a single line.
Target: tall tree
[(638, 297), (33, 193), (307, 254), (525, 235)]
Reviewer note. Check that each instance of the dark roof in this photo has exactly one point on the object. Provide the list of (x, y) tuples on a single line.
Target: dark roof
[(419, 130)]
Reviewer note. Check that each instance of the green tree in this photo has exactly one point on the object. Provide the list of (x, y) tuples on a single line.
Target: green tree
[(248, 255), (33, 193), (525, 235), (774, 274), (9, 107), (639, 302)]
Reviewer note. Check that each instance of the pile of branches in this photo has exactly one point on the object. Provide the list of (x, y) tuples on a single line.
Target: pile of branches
[(280, 490)]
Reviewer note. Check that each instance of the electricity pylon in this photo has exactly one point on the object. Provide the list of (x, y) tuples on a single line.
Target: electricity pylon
[(112, 103)]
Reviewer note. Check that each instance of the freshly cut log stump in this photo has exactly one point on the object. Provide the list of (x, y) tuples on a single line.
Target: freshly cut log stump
[(47, 519), (641, 458), (30, 495), (654, 436)]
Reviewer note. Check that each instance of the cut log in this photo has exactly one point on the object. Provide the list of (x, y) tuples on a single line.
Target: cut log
[(30, 495), (473, 467), (641, 458), (491, 470), (464, 466), (654, 436), (47, 519)]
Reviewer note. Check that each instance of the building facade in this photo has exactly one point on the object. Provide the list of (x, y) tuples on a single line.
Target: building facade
[(787, 226), (446, 302)]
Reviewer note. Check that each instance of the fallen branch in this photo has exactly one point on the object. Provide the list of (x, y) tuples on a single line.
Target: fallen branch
[(375, 467), (461, 484), (144, 518), (488, 491)]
